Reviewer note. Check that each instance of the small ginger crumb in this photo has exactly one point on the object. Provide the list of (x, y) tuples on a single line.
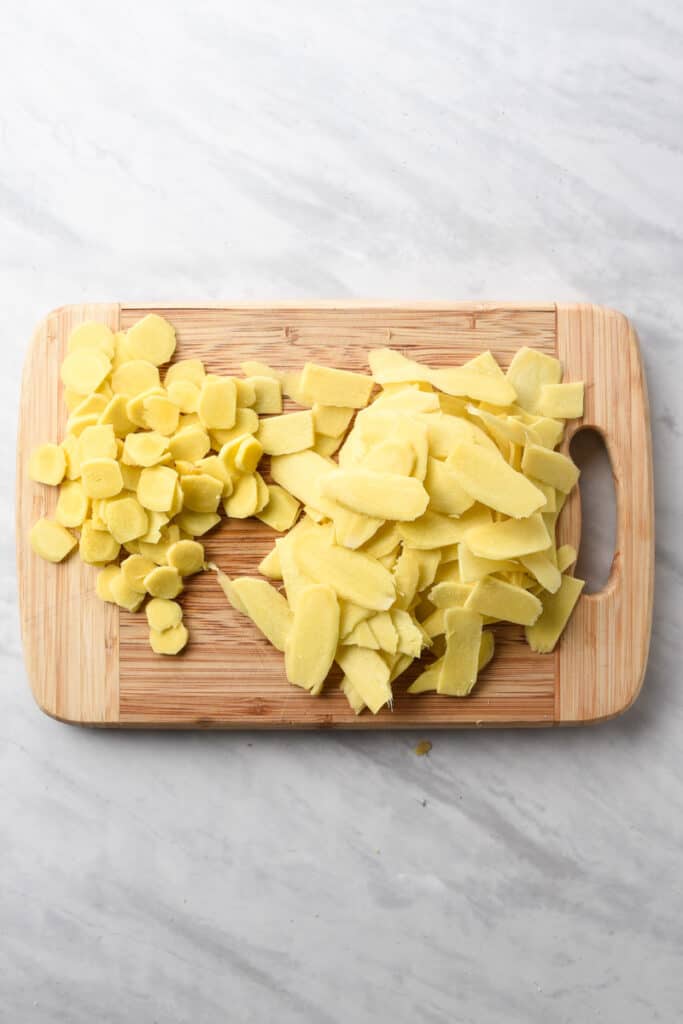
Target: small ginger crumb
[(423, 747)]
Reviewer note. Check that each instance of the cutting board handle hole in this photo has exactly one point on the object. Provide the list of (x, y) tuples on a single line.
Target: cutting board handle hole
[(598, 509)]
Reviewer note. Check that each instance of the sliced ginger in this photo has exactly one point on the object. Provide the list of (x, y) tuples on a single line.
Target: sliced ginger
[(431, 516)]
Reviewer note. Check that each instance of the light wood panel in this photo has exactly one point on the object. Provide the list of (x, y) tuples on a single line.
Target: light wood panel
[(230, 676)]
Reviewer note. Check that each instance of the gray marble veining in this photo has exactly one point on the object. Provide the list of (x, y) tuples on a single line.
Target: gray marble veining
[(166, 151)]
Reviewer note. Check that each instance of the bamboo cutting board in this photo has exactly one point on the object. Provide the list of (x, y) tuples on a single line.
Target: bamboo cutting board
[(90, 663)]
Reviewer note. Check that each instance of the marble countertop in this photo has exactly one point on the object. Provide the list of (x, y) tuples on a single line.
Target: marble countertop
[(169, 151)]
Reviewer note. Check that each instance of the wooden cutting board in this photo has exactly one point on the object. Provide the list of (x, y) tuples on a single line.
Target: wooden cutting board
[(90, 663)]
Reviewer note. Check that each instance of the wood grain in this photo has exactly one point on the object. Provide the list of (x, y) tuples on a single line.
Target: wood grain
[(229, 676)]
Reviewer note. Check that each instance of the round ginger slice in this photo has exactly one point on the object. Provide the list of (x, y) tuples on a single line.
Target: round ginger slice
[(84, 370), (163, 614), (92, 335), (135, 568), (72, 504), (126, 519), (47, 464), (164, 581), (134, 377), (171, 641), (101, 478), (187, 556), (103, 583), (51, 540), (151, 338)]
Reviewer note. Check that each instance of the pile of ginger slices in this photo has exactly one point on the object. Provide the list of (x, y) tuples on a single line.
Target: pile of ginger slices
[(410, 517)]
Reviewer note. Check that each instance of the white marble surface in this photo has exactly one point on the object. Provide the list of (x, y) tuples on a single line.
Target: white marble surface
[(513, 150)]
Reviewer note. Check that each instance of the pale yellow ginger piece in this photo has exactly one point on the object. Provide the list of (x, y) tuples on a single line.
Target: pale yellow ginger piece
[(212, 465), (406, 577), (354, 576), (155, 522), (566, 556), (449, 553), (71, 447), (248, 454), (254, 368), (267, 394), (452, 405), (187, 556), (47, 464), (94, 403), (503, 600), (134, 570), (190, 443), (544, 570), (355, 700), (121, 352), (130, 475), (546, 432), (362, 636), (71, 399), (391, 367), (148, 448), (411, 638), (123, 594), (312, 640), (384, 541), (449, 595), (300, 474), (488, 479), (103, 583), (163, 614), (126, 519), (472, 568), (244, 500), (331, 420), (151, 338), (184, 395), (191, 370), (461, 660), (84, 370), (293, 577), (528, 372), (410, 399), (368, 674), (286, 434), (445, 433), (503, 429), (427, 567), (115, 415), (327, 446), (350, 615), (265, 606), (551, 468), (379, 495), (351, 530), (398, 663), (445, 493), (434, 625), (171, 641), (428, 680), (246, 422), (281, 511), (433, 530), (510, 538), (542, 636), (550, 495), (51, 540), (561, 401), (92, 335), (270, 565), (77, 424), (160, 414), (97, 546), (73, 504), (101, 478), (246, 393), (481, 385), (197, 523), (384, 631), (98, 442), (164, 581), (156, 488), (217, 407), (326, 385), (136, 407), (134, 377), (397, 457), (201, 492), (262, 494)]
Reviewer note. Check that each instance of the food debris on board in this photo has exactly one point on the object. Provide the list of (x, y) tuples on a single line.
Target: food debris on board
[(430, 519)]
